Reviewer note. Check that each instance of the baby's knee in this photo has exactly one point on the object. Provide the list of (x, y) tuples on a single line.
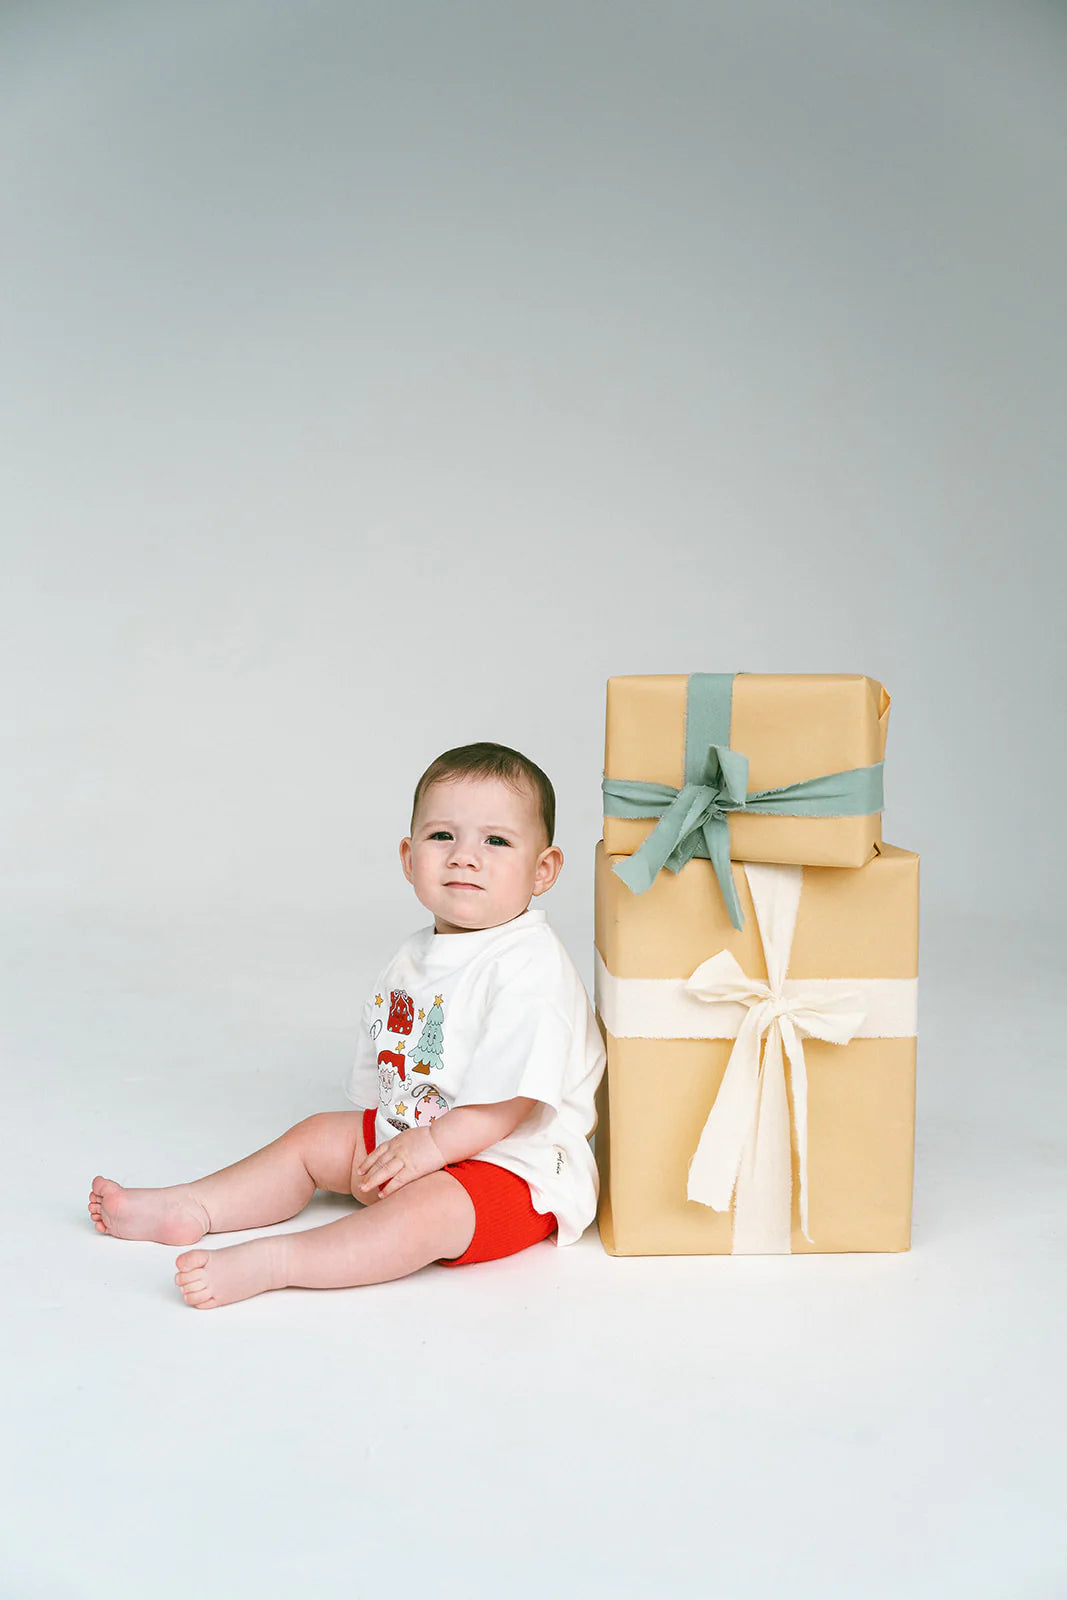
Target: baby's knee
[(328, 1143), (320, 1125)]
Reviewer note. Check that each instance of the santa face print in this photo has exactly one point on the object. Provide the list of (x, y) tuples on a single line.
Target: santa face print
[(477, 853), (392, 1061)]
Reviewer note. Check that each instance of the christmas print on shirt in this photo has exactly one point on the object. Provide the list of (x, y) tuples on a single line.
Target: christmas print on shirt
[(496, 1013), (430, 1104), (401, 1011), (427, 1052), (401, 1097)]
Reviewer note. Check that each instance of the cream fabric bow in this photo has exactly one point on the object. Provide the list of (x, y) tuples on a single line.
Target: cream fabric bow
[(745, 1146)]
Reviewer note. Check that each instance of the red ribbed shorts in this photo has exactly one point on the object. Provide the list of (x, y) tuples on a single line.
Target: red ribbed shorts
[(504, 1217)]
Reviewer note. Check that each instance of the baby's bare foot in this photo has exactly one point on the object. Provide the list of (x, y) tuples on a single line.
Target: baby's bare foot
[(169, 1216), (210, 1278)]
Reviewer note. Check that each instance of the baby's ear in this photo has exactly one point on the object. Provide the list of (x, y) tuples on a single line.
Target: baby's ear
[(405, 858), (549, 867)]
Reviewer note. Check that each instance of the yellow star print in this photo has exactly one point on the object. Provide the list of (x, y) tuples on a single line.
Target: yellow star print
[(377, 999), (438, 999), (402, 1109), (401, 1046), (422, 1015)]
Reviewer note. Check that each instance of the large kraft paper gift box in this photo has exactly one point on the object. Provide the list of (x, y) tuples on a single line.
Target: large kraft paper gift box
[(743, 767), (759, 1096)]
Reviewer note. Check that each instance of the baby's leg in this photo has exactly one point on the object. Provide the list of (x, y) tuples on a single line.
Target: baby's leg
[(431, 1218), (269, 1186)]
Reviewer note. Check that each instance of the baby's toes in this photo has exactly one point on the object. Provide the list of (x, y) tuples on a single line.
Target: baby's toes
[(191, 1277), (197, 1295), (190, 1260)]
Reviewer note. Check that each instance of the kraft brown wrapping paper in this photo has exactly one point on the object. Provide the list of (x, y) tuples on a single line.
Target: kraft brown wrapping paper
[(790, 727), (656, 1093)]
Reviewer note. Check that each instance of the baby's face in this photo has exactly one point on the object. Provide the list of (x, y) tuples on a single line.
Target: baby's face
[(478, 854)]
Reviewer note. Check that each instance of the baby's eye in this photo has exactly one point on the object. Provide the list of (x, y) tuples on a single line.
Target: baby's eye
[(494, 838), (442, 833)]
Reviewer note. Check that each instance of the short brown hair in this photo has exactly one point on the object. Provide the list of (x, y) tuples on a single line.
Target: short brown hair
[(491, 761)]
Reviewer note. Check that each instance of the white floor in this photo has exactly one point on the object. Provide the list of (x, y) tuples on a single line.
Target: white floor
[(560, 1423)]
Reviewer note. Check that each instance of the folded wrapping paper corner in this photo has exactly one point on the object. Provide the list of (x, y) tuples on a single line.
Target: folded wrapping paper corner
[(694, 820), (743, 1157)]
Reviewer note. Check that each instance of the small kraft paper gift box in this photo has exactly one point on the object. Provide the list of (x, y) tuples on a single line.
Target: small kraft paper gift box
[(744, 767), (759, 1096)]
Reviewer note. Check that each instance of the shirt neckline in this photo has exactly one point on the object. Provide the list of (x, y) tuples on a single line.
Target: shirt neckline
[(455, 949)]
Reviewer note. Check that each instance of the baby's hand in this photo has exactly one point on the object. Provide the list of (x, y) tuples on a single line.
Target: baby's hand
[(410, 1155)]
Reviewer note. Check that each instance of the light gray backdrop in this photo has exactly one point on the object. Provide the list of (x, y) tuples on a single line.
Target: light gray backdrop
[(381, 376)]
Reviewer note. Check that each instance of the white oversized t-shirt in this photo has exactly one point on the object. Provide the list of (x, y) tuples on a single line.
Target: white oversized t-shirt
[(459, 1019)]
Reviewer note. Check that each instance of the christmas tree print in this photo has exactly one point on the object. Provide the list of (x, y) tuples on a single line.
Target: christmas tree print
[(427, 1052)]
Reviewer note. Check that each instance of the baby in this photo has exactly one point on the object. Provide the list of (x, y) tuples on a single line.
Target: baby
[(477, 1063)]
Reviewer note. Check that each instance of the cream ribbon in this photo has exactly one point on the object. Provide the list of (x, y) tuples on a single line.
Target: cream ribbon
[(744, 1150)]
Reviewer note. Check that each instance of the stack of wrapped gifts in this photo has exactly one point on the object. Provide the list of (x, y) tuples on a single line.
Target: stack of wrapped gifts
[(756, 970)]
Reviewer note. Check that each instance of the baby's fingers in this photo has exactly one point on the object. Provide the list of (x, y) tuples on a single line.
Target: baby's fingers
[(376, 1172), (396, 1182), (376, 1158)]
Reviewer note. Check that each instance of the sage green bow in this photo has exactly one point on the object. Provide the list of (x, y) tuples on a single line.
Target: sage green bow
[(693, 819), (688, 817)]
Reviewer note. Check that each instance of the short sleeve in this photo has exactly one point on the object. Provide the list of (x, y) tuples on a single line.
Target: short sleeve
[(524, 1048), (361, 1085)]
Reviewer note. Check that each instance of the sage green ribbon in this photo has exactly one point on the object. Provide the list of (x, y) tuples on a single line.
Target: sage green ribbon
[(693, 819)]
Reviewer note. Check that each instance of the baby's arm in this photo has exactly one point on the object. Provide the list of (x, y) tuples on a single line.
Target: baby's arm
[(464, 1131), (468, 1130)]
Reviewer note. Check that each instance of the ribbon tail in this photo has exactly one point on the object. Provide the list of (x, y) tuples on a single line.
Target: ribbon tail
[(717, 838), (638, 872), (763, 1210), (798, 1078), (731, 1121), (683, 852)]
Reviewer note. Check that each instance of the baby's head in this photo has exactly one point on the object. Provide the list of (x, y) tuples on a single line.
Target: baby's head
[(480, 845)]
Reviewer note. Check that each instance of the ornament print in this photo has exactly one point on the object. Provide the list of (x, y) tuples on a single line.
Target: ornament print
[(429, 1105)]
